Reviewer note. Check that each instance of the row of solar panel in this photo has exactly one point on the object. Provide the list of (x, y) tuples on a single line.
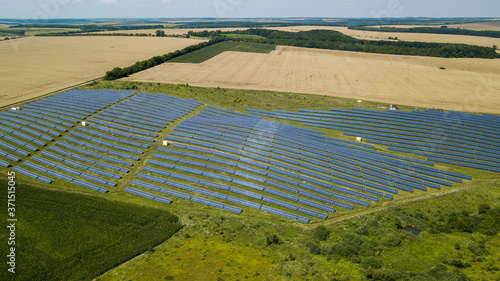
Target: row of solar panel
[(14, 148), (354, 122), (63, 110), (15, 122), (105, 143), (114, 132), (47, 111), (74, 164), (101, 149), (410, 136), (18, 142), (24, 136), (115, 126), (239, 173), (17, 117), (39, 116), (160, 117), (127, 123), (93, 154), (65, 169), (55, 115), (406, 117), (152, 110), (57, 175), (134, 120), (477, 164), (474, 155), (187, 196), (280, 171), (233, 189), (133, 113), (106, 136), (148, 195)]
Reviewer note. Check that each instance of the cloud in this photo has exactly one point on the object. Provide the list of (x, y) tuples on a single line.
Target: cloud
[(166, 1), (109, 1)]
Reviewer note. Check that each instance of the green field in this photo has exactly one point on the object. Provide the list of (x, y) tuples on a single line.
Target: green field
[(73, 236), (211, 51)]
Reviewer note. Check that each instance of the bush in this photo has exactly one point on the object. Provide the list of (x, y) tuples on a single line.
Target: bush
[(372, 262), (313, 248), (321, 233), (272, 239), (483, 208)]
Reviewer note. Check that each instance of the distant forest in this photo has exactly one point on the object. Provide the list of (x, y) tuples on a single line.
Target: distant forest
[(334, 40), (435, 30)]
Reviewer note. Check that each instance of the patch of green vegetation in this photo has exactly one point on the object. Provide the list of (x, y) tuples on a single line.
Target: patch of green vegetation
[(211, 51), (374, 246), (71, 236)]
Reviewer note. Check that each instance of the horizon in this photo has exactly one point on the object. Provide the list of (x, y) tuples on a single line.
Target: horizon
[(241, 9)]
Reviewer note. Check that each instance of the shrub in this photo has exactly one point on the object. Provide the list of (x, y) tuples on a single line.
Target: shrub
[(483, 208), (313, 248), (372, 262), (272, 239), (321, 233)]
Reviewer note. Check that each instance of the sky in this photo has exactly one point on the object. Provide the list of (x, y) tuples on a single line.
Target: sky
[(51, 9)]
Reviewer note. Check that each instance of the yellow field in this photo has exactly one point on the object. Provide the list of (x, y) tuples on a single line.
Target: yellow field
[(35, 66), (171, 31), (479, 25), (420, 37), (465, 85)]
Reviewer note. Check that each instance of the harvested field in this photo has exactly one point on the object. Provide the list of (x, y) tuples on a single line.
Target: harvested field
[(172, 31), (419, 37), (465, 84), (35, 66), (493, 25)]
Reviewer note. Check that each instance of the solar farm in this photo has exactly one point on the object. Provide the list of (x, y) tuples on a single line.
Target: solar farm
[(175, 150)]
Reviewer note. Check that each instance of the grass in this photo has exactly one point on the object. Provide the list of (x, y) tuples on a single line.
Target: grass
[(71, 236), (212, 51)]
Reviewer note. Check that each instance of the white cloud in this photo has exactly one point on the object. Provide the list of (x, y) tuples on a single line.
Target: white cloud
[(109, 1), (166, 1)]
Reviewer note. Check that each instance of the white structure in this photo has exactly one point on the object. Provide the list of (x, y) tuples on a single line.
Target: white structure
[(15, 108), (358, 138), (165, 142), (360, 101), (394, 107), (84, 123)]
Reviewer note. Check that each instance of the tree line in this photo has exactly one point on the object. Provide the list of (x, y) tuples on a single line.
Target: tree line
[(434, 30), (117, 72), (334, 40)]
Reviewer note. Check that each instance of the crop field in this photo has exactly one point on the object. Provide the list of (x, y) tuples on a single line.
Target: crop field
[(70, 236), (214, 50), (419, 37), (36, 66), (464, 84), (173, 31)]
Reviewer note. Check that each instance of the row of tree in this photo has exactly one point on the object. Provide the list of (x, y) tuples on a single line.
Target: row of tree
[(433, 30), (334, 40), (118, 72)]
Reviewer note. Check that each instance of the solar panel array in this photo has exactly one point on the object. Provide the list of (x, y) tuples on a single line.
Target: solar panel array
[(226, 159), (453, 138), (25, 131), (96, 156), (270, 165)]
